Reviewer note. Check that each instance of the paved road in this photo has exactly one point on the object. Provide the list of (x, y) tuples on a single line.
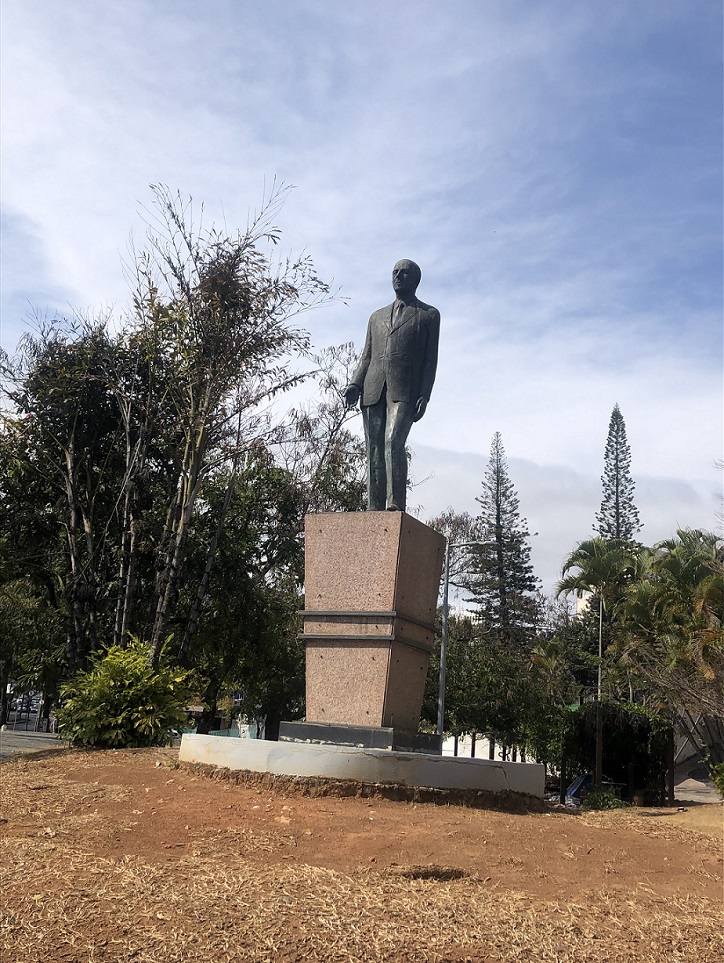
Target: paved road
[(692, 783), (18, 740)]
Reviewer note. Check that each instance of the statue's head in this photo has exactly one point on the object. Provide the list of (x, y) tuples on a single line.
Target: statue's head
[(406, 276)]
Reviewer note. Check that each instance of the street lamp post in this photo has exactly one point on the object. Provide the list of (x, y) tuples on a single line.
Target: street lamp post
[(443, 644), (598, 775)]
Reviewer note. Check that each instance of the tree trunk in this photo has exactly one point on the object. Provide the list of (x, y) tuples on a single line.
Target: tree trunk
[(47, 706), (631, 780), (39, 714), (210, 556), (4, 702), (271, 725), (670, 767), (598, 774), (189, 485), (126, 571), (206, 722)]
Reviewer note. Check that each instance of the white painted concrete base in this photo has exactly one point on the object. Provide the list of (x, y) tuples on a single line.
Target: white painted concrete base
[(363, 765)]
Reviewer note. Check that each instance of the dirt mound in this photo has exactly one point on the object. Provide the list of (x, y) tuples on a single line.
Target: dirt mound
[(128, 856), (318, 786)]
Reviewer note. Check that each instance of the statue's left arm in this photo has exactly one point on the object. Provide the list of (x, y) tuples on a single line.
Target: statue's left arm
[(429, 367)]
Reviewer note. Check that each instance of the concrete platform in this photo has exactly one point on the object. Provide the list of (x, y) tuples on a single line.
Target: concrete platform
[(364, 765)]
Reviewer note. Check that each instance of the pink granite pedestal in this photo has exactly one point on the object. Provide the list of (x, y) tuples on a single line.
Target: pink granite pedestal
[(371, 588)]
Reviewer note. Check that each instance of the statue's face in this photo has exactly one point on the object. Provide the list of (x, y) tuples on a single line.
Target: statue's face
[(405, 278)]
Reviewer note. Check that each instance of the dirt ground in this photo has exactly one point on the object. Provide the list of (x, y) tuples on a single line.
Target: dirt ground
[(128, 856)]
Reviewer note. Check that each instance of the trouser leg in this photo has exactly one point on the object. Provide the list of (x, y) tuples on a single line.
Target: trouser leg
[(374, 417), (399, 422)]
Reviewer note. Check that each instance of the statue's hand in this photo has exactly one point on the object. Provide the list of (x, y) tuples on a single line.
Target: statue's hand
[(420, 408), (351, 396)]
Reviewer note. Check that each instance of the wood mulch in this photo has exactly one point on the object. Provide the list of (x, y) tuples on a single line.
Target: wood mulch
[(130, 856)]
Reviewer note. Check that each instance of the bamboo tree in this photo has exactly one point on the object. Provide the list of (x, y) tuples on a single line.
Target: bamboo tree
[(224, 309)]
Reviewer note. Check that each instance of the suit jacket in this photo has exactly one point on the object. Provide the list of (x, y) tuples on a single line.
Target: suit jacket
[(403, 357)]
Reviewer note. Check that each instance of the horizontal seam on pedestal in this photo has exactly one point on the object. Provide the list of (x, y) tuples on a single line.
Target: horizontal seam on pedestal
[(336, 613), (328, 637)]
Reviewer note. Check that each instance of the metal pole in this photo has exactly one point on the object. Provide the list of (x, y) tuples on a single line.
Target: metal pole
[(598, 775), (443, 643), (600, 643)]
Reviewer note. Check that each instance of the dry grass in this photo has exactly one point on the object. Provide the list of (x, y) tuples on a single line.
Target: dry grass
[(81, 908), (221, 900)]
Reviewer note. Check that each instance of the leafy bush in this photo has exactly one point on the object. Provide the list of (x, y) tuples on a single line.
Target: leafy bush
[(717, 775), (603, 798), (121, 702)]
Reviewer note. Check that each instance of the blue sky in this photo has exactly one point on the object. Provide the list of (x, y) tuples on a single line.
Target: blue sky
[(555, 169)]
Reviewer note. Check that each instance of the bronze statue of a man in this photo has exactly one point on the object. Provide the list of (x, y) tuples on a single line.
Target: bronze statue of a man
[(393, 381)]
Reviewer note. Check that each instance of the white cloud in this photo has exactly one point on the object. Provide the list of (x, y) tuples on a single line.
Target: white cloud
[(559, 503), (556, 171)]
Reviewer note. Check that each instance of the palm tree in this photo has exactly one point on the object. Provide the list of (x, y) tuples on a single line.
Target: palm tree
[(603, 567), (674, 635)]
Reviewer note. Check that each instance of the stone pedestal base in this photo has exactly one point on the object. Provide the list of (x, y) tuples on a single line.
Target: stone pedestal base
[(369, 766), (360, 737), (371, 587)]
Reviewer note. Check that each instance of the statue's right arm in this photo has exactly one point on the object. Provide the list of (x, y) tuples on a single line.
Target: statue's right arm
[(354, 389)]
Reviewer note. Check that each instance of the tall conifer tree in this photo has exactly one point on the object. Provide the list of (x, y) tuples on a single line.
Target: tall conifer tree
[(502, 581), (618, 517)]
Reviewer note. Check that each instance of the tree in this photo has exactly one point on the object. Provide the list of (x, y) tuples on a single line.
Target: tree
[(674, 635), (601, 567), (618, 517), (460, 529), (247, 641), (59, 445), (221, 309), (31, 643), (490, 687), (316, 446), (130, 461), (485, 687), (501, 580)]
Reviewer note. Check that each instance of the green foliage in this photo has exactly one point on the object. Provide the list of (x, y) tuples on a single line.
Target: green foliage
[(672, 620), (121, 702), (148, 488), (717, 775), (493, 688), (61, 446), (502, 581), (618, 517), (603, 798), (601, 566), (634, 748)]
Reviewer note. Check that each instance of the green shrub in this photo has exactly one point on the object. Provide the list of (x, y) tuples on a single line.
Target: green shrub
[(121, 702), (717, 774), (603, 799)]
